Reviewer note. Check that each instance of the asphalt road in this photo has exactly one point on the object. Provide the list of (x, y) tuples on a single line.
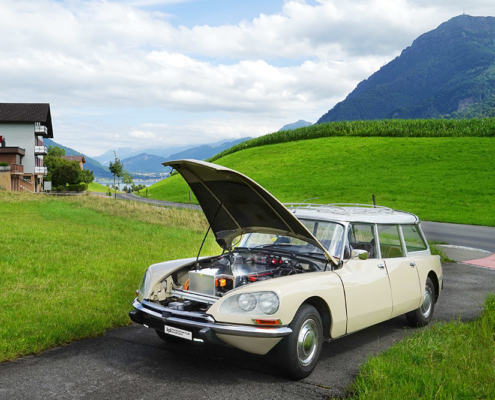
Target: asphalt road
[(478, 237), (133, 363)]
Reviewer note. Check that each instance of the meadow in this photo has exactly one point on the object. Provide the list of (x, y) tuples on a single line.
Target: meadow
[(445, 179), (71, 265), (452, 360)]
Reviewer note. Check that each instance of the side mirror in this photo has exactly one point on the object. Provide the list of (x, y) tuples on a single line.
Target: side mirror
[(361, 254)]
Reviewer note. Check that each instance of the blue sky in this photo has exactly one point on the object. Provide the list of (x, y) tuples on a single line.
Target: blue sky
[(167, 73)]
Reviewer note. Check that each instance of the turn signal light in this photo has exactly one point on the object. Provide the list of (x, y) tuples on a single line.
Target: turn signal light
[(267, 321)]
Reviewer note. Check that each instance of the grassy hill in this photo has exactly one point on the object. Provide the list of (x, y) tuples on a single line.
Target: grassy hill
[(448, 179)]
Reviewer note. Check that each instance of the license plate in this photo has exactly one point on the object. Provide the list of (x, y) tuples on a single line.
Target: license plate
[(178, 332)]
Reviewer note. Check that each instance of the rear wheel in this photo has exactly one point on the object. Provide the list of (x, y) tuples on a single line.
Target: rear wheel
[(422, 316), (298, 352)]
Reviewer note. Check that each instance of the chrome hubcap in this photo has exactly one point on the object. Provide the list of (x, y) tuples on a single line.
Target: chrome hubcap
[(307, 342), (427, 302)]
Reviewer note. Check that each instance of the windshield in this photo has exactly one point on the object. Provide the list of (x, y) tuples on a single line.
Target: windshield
[(329, 234)]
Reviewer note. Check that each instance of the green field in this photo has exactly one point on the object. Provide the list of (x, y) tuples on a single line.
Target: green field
[(71, 266), (446, 179), (97, 187), (446, 361)]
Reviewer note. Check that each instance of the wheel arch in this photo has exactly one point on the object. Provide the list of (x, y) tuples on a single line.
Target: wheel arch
[(434, 278), (324, 311)]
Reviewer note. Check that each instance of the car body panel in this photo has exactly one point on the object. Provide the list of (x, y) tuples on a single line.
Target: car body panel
[(367, 291), (293, 291), (404, 283)]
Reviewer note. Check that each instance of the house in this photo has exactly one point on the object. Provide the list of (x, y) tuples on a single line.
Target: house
[(79, 159), (23, 126)]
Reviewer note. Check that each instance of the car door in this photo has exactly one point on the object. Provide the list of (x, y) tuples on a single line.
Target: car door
[(366, 282), (402, 270)]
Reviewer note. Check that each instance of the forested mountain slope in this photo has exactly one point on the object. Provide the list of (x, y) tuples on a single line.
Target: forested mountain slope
[(441, 74)]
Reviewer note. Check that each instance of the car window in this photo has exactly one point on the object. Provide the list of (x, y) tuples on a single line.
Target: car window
[(390, 244), (329, 234), (362, 237), (413, 239)]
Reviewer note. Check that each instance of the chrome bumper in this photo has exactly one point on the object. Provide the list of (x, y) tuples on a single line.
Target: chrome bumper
[(194, 320)]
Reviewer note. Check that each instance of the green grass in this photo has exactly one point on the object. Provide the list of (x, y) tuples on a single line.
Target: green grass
[(445, 179), (71, 266), (452, 360), (97, 187), (475, 127)]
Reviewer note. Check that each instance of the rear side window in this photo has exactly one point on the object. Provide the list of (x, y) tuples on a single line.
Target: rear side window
[(413, 239), (390, 244)]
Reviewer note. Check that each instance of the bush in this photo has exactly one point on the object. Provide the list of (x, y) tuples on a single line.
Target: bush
[(80, 187), (4, 164)]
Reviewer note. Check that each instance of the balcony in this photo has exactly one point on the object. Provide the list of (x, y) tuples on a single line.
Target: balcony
[(38, 128), (41, 170), (40, 150), (16, 169)]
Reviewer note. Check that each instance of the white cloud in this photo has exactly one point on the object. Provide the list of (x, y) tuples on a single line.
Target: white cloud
[(112, 67)]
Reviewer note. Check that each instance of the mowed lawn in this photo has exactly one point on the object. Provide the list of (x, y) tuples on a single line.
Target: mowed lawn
[(70, 267), (446, 179)]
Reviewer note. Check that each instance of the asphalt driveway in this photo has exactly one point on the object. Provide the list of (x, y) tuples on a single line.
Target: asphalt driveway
[(133, 363)]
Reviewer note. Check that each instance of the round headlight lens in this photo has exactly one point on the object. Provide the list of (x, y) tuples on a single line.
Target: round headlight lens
[(269, 302), (247, 301)]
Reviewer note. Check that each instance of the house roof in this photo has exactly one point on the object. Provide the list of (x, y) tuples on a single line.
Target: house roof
[(27, 112), (12, 150), (75, 158)]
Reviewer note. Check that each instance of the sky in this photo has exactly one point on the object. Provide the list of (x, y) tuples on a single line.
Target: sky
[(170, 73)]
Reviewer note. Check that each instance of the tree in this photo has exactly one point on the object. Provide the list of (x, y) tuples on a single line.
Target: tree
[(67, 172), (117, 169), (52, 162), (55, 151), (87, 176), (127, 179)]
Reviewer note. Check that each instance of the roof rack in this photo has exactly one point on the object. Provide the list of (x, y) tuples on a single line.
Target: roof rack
[(343, 208)]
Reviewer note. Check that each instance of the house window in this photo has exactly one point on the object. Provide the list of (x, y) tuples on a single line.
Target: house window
[(27, 178)]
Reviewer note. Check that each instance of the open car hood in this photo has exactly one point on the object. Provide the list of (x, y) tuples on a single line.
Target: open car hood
[(235, 204)]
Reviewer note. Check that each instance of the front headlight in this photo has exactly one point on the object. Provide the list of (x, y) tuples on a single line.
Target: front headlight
[(145, 284), (254, 303)]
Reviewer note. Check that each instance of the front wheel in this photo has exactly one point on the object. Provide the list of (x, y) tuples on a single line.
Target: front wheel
[(422, 316), (298, 352)]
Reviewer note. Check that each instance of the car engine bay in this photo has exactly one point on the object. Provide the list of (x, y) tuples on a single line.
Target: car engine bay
[(198, 285)]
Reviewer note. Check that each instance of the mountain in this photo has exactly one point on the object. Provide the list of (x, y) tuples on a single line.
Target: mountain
[(443, 72), (91, 164), (205, 151), (127, 152), (150, 163), (299, 124), (144, 163)]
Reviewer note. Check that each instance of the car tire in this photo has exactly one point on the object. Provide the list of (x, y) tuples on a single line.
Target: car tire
[(168, 338), (298, 352), (422, 316)]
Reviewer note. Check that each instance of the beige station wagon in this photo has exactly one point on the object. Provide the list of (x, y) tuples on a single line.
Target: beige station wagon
[(290, 277)]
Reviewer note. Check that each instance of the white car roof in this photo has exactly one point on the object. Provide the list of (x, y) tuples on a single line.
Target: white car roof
[(352, 213)]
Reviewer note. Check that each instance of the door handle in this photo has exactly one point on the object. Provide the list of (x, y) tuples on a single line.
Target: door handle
[(381, 265), (412, 264)]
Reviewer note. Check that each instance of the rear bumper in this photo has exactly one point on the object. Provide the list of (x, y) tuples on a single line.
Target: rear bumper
[(156, 316)]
